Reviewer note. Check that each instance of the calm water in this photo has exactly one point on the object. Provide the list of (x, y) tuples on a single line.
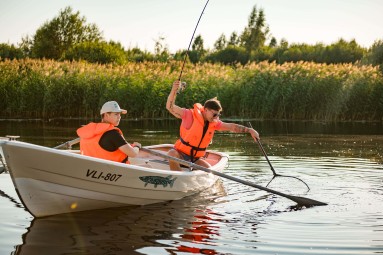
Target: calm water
[(342, 164)]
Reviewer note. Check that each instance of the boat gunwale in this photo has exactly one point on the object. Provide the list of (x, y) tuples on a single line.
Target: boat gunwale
[(73, 153)]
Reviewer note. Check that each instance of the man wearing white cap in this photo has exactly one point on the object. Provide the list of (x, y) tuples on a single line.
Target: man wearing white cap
[(104, 140)]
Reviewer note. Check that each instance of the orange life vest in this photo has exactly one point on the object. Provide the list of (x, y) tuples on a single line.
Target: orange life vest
[(192, 141), (90, 136)]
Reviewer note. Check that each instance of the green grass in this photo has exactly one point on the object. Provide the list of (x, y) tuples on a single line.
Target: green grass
[(294, 91)]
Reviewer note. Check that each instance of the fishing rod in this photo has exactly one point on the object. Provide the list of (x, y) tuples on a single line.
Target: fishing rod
[(183, 84)]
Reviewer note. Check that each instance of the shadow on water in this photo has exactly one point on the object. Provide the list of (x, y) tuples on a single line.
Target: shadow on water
[(11, 199)]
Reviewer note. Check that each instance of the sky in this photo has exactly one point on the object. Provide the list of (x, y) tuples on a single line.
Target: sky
[(139, 23)]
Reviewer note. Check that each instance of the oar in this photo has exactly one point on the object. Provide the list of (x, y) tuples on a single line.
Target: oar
[(2, 167), (68, 145), (301, 201), (271, 166)]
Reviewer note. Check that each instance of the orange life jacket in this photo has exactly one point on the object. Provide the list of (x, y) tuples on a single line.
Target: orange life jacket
[(192, 141), (90, 136)]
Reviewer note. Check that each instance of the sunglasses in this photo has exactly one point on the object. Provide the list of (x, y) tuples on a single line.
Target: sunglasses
[(214, 113)]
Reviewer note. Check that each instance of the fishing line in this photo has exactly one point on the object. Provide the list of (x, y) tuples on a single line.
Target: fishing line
[(183, 85)]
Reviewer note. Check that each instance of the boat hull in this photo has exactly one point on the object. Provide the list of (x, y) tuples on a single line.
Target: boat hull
[(50, 181)]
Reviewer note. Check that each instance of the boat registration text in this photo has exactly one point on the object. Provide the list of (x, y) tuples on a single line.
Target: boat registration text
[(94, 174)]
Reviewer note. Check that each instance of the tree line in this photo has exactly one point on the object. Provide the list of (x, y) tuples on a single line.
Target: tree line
[(68, 36)]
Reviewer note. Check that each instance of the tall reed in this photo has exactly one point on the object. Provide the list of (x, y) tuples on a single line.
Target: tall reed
[(49, 89)]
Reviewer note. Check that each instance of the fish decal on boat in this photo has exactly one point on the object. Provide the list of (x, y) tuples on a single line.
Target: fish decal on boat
[(158, 180)]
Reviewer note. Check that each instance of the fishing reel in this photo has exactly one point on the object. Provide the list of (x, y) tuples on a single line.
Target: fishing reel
[(181, 87)]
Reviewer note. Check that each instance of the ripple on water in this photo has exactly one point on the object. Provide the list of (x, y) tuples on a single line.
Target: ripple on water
[(230, 219)]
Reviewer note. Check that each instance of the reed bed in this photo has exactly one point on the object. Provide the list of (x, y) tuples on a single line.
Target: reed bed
[(32, 88)]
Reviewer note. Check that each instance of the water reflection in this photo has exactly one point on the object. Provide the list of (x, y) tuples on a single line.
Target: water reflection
[(202, 230), (95, 232), (125, 230)]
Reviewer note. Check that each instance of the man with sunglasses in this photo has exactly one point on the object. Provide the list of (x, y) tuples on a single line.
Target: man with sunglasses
[(104, 140), (197, 129)]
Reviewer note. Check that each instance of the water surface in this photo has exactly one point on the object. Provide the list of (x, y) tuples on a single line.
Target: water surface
[(342, 164)]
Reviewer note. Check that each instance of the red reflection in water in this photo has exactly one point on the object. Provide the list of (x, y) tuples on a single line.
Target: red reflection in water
[(202, 230)]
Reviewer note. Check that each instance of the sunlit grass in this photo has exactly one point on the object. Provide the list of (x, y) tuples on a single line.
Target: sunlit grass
[(50, 89)]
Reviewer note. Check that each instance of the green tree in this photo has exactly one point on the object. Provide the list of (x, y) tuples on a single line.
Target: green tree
[(234, 39), (137, 55), (97, 52), (61, 33), (273, 42), (161, 51), (375, 54), (283, 46), (292, 54), (198, 44), (265, 53), (26, 46), (343, 52), (229, 56), (198, 51), (10, 51), (255, 34), (220, 44)]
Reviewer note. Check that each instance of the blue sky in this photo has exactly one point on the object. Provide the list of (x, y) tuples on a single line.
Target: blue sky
[(141, 22)]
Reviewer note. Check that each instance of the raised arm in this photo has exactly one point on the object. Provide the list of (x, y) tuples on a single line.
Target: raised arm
[(236, 128), (170, 104)]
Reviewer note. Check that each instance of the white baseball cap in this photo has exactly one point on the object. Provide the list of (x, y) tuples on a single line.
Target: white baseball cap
[(112, 106)]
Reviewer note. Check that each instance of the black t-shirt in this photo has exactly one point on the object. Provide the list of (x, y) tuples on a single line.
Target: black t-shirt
[(112, 140)]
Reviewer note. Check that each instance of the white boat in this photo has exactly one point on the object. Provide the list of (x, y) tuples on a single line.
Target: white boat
[(51, 181)]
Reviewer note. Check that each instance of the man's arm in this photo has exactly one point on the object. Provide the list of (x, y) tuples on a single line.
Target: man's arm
[(236, 128), (113, 140), (170, 103), (130, 150)]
